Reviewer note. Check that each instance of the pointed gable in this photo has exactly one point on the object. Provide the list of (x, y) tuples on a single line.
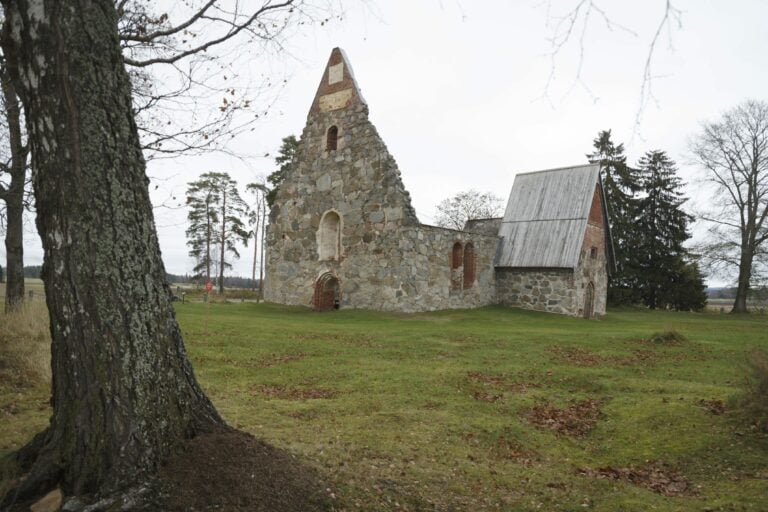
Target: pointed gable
[(546, 217), (338, 88)]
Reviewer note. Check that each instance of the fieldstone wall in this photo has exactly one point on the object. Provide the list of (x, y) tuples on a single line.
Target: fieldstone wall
[(486, 226), (550, 290), (386, 259)]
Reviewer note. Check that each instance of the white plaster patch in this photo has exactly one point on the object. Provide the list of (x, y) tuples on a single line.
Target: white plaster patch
[(335, 101), (336, 73)]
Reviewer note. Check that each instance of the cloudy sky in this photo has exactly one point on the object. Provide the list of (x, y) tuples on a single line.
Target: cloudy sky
[(466, 93)]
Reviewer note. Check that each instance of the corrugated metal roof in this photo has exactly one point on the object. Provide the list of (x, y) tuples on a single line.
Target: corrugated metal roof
[(546, 217)]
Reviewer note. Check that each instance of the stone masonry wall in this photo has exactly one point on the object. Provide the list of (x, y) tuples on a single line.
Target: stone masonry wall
[(550, 290), (386, 259)]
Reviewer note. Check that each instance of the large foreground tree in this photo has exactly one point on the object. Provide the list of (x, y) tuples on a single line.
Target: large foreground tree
[(124, 393), (733, 152)]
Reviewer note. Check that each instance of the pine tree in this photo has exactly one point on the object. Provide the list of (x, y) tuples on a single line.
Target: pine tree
[(215, 221), (284, 159), (620, 186), (665, 270)]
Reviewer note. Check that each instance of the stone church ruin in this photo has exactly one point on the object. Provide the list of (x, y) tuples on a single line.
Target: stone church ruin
[(343, 233)]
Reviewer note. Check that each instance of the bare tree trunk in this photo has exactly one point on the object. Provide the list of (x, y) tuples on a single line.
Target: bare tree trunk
[(742, 285), (223, 239), (14, 199), (255, 248), (124, 393), (261, 262)]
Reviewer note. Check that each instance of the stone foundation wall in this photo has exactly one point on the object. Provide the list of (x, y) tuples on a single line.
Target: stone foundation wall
[(550, 290)]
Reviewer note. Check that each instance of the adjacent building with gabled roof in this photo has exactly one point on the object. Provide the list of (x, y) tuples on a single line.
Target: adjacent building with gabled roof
[(343, 232)]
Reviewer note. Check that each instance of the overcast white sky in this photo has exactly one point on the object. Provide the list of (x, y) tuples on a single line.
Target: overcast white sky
[(455, 90)]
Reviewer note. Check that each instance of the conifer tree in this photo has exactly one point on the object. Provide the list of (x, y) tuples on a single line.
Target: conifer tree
[(283, 159), (662, 225), (620, 186), (215, 221)]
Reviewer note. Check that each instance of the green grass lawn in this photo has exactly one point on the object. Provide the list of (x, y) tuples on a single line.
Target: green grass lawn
[(435, 411)]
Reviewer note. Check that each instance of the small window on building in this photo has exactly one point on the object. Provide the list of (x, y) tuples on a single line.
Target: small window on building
[(332, 139), (329, 236), (469, 266), (593, 253)]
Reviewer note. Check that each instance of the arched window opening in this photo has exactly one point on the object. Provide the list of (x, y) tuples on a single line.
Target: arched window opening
[(457, 260), (457, 256), (329, 236), (593, 253), (332, 139), (469, 266)]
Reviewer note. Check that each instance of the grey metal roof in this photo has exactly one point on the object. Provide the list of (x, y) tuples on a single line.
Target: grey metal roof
[(546, 217)]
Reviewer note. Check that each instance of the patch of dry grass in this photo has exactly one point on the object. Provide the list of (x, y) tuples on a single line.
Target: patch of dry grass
[(25, 346)]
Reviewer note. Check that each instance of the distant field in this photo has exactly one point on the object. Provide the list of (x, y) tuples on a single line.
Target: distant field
[(490, 409)]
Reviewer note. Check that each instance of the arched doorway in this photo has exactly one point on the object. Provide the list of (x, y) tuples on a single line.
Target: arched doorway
[(327, 294), (589, 301)]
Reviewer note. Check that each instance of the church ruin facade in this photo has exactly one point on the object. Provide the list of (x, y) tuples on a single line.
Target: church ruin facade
[(343, 233)]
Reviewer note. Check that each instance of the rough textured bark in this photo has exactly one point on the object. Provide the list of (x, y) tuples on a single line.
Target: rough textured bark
[(123, 389), (13, 196)]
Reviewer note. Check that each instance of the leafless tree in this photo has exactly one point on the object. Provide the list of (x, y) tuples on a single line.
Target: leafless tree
[(455, 211), (733, 152), (572, 27), (189, 67)]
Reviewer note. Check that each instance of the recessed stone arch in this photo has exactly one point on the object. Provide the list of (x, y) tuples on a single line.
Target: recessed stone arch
[(589, 301), (327, 293), (457, 262), (329, 236), (469, 265)]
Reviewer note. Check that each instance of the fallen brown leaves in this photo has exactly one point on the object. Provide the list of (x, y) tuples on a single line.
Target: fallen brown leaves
[(716, 407), (576, 420), (656, 478), (287, 393), (502, 382), (582, 357)]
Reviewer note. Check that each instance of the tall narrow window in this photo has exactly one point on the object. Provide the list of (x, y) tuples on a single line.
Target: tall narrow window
[(457, 256), (457, 260), (329, 236), (332, 139), (469, 266)]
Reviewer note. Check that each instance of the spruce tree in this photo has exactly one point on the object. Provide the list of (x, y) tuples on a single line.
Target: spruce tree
[(665, 270), (284, 159), (620, 186)]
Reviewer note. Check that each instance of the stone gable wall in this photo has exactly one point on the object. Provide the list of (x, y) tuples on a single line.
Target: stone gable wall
[(388, 260)]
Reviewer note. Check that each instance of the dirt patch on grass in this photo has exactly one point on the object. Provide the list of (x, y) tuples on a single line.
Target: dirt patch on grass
[(583, 357), (289, 393), (657, 478), (716, 407), (502, 382), (510, 449), (485, 396), (248, 475), (576, 420)]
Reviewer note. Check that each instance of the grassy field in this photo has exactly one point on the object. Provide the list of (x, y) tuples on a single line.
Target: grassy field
[(490, 409)]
